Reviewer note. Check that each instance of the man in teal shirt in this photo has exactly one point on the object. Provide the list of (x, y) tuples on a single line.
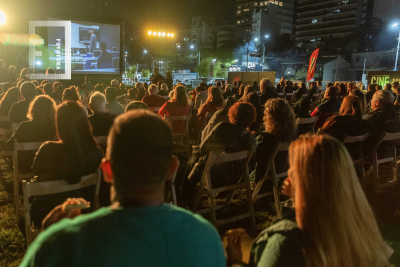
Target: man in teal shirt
[(138, 229)]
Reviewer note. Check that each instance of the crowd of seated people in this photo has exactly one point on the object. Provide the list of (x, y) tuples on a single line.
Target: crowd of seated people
[(244, 117)]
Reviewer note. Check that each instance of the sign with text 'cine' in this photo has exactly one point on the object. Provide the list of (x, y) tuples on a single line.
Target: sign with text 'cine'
[(383, 77)]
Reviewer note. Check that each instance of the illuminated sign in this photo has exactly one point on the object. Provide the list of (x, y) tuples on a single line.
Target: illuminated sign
[(383, 77)]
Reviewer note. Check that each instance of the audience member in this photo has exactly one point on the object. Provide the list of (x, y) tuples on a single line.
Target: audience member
[(163, 90), (302, 90), (40, 128), (70, 94), (280, 126), (48, 90), (100, 120), (177, 106), (214, 102), (239, 95), (141, 91), (19, 110), (248, 90), (168, 81), (330, 106), (12, 74), (254, 99), (201, 97), (329, 204), (99, 88), (87, 85), (75, 154), (153, 99), (24, 74), (9, 98), (288, 89), (219, 116), (267, 91), (113, 106), (156, 77), (4, 88), (370, 93), (357, 92), (136, 105), (137, 194), (228, 91), (122, 89)]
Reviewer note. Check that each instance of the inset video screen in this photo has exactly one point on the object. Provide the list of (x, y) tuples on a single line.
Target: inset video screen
[(95, 48)]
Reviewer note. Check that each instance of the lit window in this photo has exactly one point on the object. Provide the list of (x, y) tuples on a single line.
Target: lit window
[(314, 21), (255, 4), (312, 40), (238, 22), (245, 10), (239, 7), (239, 12)]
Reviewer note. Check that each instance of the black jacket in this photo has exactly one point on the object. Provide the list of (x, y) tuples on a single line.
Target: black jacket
[(18, 111), (101, 123), (268, 94)]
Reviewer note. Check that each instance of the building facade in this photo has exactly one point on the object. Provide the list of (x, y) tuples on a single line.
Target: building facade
[(202, 32), (244, 11), (327, 19), (224, 35)]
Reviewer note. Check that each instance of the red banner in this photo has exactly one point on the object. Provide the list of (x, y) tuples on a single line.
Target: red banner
[(313, 63)]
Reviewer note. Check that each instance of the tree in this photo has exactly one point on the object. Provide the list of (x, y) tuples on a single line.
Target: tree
[(204, 67), (146, 73), (131, 71), (301, 73)]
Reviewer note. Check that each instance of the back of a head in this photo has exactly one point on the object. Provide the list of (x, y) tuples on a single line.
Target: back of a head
[(98, 102), (385, 97), (103, 46), (371, 87), (351, 105), (153, 89), (180, 96), (6, 86), (265, 83), (73, 126), (114, 83), (9, 98), (331, 92), (228, 87), (249, 89), (111, 94), (253, 99), (28, 91), (219, 84), (279, 119), (48, 89), (140, 150), (388, 86), (50, 71), (136, 105), (43, 109), (242, 114), (164, 87), (215, 97), (139, 85), (70, 94), (330, 204), (99, 88)]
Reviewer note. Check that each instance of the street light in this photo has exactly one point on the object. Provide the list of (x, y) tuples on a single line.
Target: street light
[(2, 18), (145, 51), (192, 46), (267, 36), (256, 39), (398, 46)]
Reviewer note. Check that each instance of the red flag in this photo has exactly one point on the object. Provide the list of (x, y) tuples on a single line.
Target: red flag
[(313, 63)]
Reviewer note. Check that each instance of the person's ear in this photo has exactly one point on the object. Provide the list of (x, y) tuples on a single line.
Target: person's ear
[(173, 168), (107, 171)]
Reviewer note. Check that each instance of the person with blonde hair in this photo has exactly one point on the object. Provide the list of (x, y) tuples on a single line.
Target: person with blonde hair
[(333, 223)]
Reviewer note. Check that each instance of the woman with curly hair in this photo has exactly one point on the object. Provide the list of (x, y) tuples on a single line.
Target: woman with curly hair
[(177, 106), (214, 102), (254, 99), (280, 126)]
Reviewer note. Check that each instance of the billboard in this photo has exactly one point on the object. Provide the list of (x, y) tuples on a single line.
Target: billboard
[(383, 77)]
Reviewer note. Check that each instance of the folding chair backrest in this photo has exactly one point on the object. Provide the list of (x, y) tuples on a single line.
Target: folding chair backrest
[(178, 118), (31, 189), (391, 137), (307, 120), (14, 127), (17, 177), (355, 139), (223, 158)]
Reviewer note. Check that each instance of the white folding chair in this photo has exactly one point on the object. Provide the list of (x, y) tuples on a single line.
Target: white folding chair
[(393, 158), (281, 95), (275, 177), (205, 184), (309, 121), (32, 189), (17, 176), (359, 162), (181, 136)]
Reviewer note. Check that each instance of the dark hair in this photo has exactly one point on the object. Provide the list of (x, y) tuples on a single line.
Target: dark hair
[(254, 99), (140, 149), (28, 90), (9, 98), (243, 114), (42, 108), (103, 46), (215, 97), (99, 88), (74, 132), (50, 71), (136, 105), (351, 105), (218, 83), (388, 86), (70, 94), (48, 89), (180, 96), (56, 85), (279, 119), (371, 87), (6, 86), (248, 89), (332, 92), (111, 94)]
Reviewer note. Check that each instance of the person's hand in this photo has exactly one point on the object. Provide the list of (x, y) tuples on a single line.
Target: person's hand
[(287, 188), (234, 249), (57, 214)]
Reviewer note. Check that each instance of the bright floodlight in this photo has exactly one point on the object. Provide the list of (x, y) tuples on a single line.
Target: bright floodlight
[(256, 39), (159, 33), (163, 34), (168, 34), (395, 25), (154, 33), (192, 46), (2, 18), (145, 51), (179, 46), (38, 63), (267, 36), (236, 60), (172, 35), (150, 32)]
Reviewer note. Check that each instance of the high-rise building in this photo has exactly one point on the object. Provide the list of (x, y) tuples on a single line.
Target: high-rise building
[(244, 11), (202, 32), (327, 19), (223, 35)]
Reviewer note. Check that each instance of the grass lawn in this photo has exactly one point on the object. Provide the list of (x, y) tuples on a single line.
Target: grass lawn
[(12, 241)]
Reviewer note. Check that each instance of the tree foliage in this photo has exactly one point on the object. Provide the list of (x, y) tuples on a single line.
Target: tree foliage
[(146, 73)]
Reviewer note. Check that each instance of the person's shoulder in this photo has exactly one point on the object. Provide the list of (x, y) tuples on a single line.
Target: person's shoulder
[(282, 231)]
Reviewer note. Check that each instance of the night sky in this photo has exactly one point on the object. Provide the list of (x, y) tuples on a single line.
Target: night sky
[(138, 14)]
